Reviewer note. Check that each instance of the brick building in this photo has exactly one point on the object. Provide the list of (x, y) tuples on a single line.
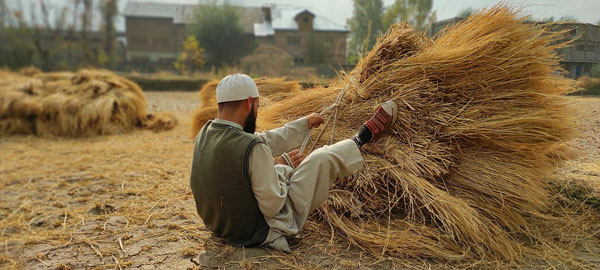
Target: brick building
[(155, 32), (577, 59)]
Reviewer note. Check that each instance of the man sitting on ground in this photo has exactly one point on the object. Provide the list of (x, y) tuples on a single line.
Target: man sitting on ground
[(249, 198)]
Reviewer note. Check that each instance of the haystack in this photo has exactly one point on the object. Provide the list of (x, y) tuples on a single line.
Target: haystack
[(271, 90), (482, 125), (89, 102)]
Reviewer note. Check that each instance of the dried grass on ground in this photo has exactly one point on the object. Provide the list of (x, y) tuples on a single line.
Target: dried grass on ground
[(271, 90), (86, 103), (589, 83), (86, 203), (482, 125), (588, 86), (109, 202)]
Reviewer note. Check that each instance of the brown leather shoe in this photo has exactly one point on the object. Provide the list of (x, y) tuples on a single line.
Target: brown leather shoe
[(383, 119)]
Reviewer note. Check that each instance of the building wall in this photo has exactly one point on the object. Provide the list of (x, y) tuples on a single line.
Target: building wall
[(160, 40), (151, 39), (305, 21), (586, 47), (578, 58), (181, 33), (331, 44)]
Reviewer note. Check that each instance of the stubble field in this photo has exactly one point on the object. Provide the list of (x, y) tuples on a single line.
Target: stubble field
[(123, 201)]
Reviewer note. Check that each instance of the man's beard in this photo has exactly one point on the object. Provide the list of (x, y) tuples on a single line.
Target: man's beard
[(250, 124)]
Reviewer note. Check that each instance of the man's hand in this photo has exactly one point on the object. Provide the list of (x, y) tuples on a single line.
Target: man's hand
[(314, 120), (279, 160), (295, 158)]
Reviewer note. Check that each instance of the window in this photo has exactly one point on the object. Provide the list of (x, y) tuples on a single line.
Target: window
[(327, 43), (305, 19), (293, 40), (298, 60), (581, 48)]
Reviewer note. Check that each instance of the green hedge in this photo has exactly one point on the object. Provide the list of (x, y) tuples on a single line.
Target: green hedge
[(148, 83), (587, 92)]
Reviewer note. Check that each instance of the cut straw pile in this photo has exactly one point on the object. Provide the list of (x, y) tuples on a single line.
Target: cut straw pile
[(271, 90), (482, 124), (86, 103)]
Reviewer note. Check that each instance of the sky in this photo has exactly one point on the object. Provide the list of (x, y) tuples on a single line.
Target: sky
[(587, 11), (340, 10)]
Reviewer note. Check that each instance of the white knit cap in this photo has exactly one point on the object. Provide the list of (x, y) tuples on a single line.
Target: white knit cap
[(236, 87)]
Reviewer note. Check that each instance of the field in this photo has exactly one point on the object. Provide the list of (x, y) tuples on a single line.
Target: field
[(123, 201)]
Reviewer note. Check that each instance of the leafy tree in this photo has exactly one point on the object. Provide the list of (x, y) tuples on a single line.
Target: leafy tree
[(86, 17), (365, 25), (416, 12), (3, 13), (43, 42), (109, 10), (218, 30), (568, 18), (465, 12), (191, 58), (16, 49), (548, 19), (595, 71)]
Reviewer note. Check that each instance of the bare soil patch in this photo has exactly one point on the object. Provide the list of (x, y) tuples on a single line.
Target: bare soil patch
[(124, 201)]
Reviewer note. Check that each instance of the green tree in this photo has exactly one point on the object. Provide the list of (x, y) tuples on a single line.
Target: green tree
[(43, 36), (595, 71), (191, 58), (86, 22), (3, 13), (548, 19), (16, 48), (109, 10), (218, 29), (417, 13), (568, 18), (365, 25), (466, 12)]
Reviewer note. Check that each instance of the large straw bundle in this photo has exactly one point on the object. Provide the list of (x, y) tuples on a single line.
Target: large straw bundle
[(270, 89), (89, 102), (481, 125)]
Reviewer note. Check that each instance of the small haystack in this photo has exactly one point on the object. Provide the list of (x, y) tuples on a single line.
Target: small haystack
[(271, 90), (482, 125), (86, 103)]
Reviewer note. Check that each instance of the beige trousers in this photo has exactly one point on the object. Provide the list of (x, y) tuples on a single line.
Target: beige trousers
[(308, 187)]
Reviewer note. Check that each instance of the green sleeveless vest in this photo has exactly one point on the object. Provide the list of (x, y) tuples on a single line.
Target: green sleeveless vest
[(220, 182)]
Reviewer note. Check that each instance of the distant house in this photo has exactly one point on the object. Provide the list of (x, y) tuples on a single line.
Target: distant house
[(155, 32), (584, 52), (577, 59)]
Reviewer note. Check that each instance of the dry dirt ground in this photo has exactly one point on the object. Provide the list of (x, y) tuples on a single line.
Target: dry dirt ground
[(124, 201)]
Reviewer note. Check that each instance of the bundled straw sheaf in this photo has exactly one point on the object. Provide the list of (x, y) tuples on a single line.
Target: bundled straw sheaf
[(86, 103), (271, 90), (482, 124)]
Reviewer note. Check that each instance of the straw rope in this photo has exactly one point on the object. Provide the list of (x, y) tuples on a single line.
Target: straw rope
[(333, 106)]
